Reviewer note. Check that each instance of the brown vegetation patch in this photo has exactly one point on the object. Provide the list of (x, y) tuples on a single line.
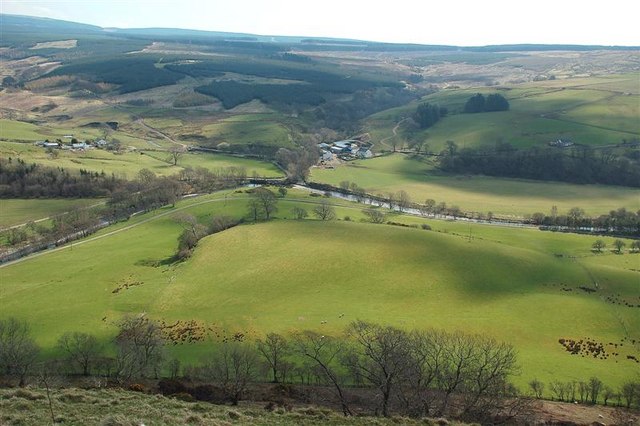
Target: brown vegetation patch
[(126, 283), (181, 332)]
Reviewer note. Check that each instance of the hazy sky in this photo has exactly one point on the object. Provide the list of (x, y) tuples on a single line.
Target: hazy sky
[(457, 22)]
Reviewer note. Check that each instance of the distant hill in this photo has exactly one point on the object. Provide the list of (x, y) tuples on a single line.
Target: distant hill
[(29, 26)]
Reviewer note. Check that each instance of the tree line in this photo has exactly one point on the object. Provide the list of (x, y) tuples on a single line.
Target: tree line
[(410, 372), (580, 164), (19, 179), (616, 222)]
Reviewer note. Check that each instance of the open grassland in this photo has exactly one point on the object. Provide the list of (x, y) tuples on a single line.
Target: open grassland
[(249, 129), (518, 285), (598, 111), (18, 130), (119, 407), (15, 212), (128, 164), (502, 196)]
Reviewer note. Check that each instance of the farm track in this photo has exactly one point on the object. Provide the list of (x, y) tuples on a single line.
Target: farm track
[(163, 135), (395, 133)]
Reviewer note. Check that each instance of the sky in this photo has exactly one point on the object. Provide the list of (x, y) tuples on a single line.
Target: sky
[(453, 22)]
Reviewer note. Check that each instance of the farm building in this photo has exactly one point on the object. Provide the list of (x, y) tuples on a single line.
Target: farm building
[(326, 156)]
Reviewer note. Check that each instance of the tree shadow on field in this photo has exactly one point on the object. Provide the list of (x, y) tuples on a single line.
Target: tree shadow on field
[(155, 263)]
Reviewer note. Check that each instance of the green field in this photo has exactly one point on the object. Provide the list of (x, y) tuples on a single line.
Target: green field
[(598, 111), (128, 164), (290, 275), (264, 129), (502, 196), (15, 211), (18, 130)]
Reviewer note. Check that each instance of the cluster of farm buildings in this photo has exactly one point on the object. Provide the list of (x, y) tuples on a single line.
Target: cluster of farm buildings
[(348, 149), (73, 144)]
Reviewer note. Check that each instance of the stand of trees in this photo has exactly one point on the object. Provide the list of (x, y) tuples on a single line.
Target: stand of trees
[(493, 102), (578, 165), (427, 114), (19, 179)]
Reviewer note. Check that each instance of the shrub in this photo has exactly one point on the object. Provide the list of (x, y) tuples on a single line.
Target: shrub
[(171, 387), (137, 387), (184, 396), (426, 227)]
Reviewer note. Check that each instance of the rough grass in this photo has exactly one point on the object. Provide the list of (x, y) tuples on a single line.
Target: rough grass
[(290, 275), (503, 196), (114, 407), (248, 129)]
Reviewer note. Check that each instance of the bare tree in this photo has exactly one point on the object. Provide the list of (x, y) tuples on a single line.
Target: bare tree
[(18, 350), (375, 216), (140, 346), (81, 349), (619, 245), (266, 201), (598, 245), (274, 348), (607, 394), (403, 200), (558, 390), (254, 209), (299, 213), (454, 370), (595, 387), (175, 153), (491, 365), (537, 387), (324, 211), (427, 351), (629, 392), (324, 352), (381, 354), (233, 367)]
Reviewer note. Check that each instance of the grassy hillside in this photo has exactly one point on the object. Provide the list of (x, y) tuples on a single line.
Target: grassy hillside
[(291, 275), (503, 196), (593, 111)]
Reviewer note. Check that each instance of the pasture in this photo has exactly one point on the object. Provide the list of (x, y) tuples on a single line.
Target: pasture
[(597, 111), (502, 196), (262, 129), (128, 164), (17, 211), (289, 275)]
